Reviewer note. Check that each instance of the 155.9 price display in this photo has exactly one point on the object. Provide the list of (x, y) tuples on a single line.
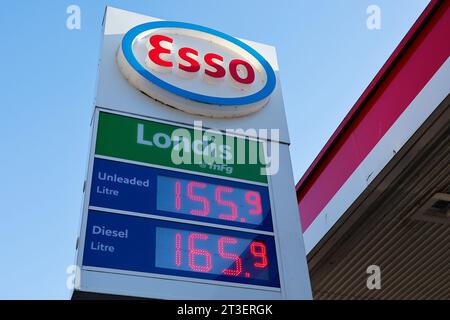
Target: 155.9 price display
[(203, 199), (157, 191)]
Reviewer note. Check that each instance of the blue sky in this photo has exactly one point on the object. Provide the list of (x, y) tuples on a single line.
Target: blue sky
[(327, 57)]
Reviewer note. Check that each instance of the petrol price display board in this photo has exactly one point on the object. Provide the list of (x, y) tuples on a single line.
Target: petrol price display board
[(157, 191), (163, 247), (149, 218)]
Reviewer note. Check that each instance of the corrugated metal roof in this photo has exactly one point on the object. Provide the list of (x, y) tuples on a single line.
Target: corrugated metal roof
[(382, 228)]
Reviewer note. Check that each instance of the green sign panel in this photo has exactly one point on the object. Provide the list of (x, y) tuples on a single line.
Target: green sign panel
[(166, 145)]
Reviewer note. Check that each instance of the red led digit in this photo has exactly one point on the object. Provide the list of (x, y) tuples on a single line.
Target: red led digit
[(193, 252), (232, 256), (234, 212), (258, 249), (254, 198), (190, 189), (178, 249), (178, 195)]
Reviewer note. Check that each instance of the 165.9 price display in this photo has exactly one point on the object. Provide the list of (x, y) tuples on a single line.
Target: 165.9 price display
[(178, 249), (208, 253)]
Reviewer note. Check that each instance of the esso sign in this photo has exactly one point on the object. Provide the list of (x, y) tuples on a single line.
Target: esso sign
[(196, 69), (187, 61)]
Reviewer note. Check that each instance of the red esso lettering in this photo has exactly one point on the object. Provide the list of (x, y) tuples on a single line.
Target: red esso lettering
[(192, 64), (154, 54), (240, 70), (219, 70)]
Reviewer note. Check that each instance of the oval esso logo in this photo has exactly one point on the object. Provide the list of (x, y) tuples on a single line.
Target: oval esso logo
[(196, 69)]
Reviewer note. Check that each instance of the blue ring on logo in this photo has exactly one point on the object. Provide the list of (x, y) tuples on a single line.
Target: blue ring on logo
[(127, 49)]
